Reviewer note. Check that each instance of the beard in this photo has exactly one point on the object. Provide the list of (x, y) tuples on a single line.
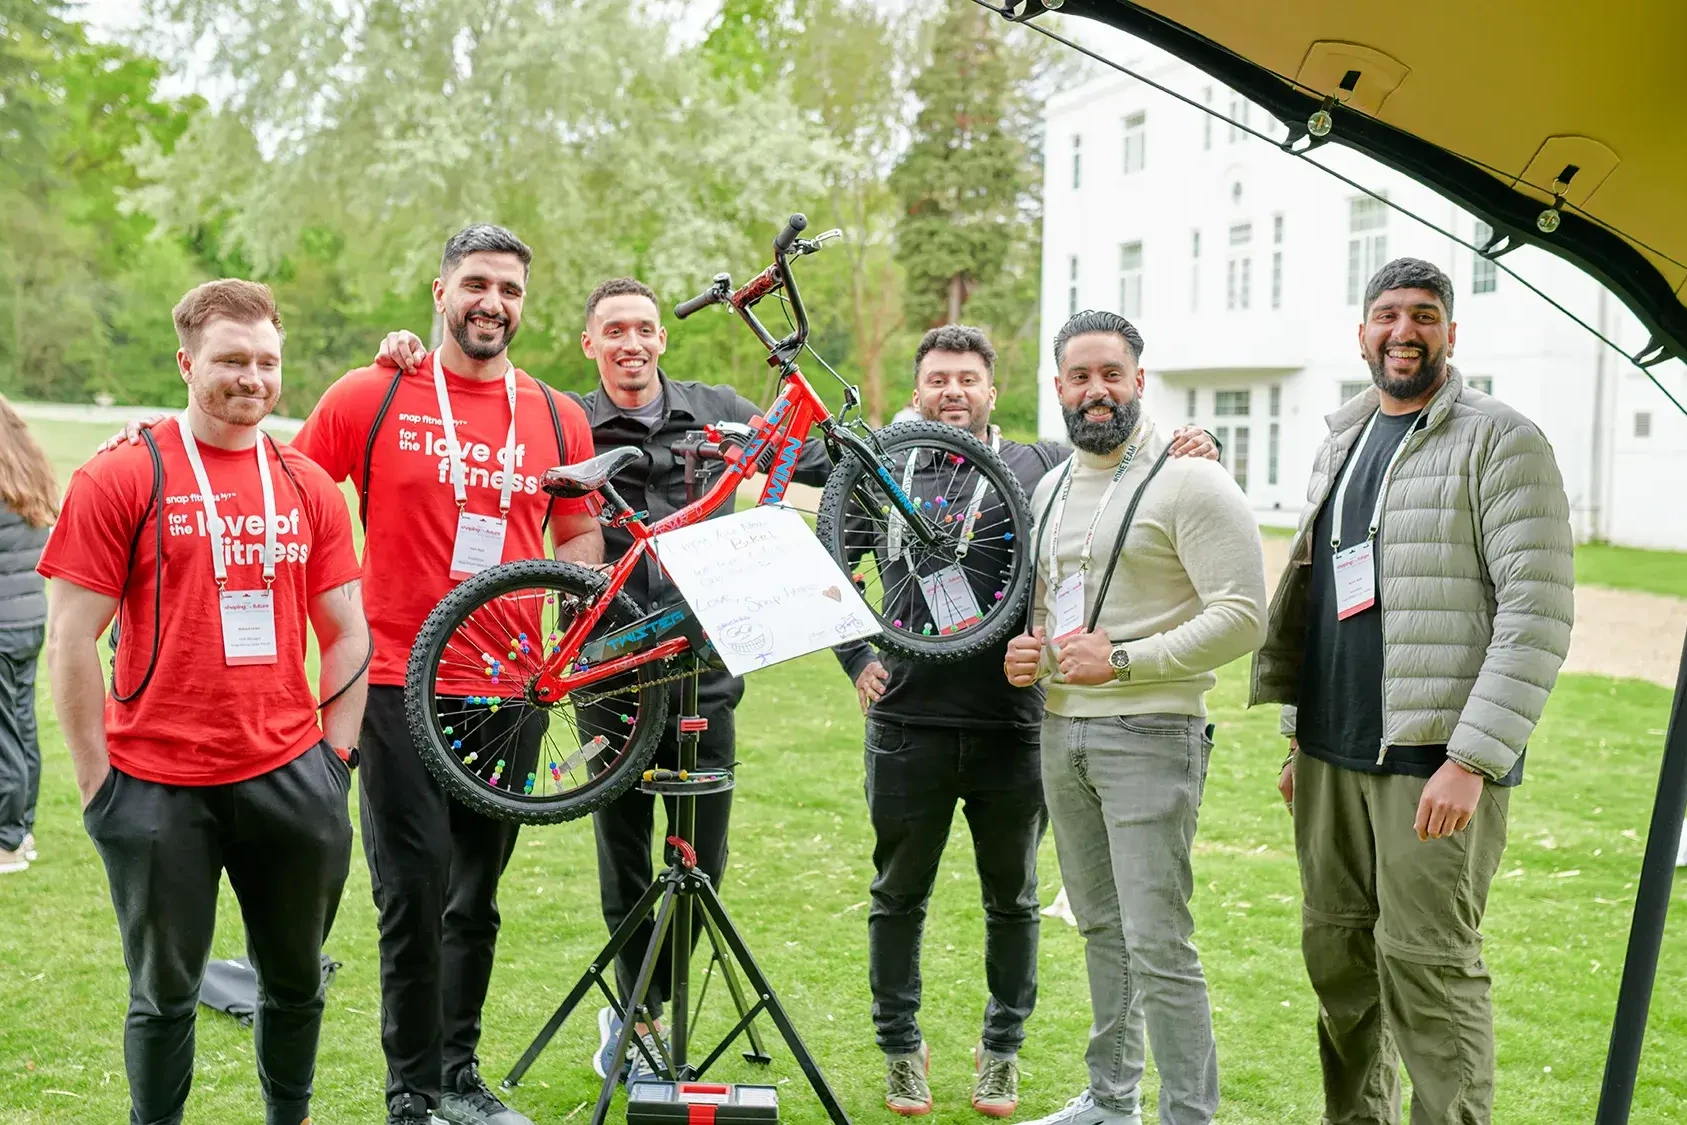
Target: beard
[(463, 332), (972, 423), (1105, 436), (225, 405), (1432, 367)]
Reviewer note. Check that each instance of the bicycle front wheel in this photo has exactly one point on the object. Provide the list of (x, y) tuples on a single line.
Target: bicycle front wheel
[(482, 728), (959, 588)]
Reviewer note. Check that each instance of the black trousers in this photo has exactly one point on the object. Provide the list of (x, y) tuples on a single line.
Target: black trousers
[(625, 863), (284, 838), (434, 868), (20, 752), (915, 775)]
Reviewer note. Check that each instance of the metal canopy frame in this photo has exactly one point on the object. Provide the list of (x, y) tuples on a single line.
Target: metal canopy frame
[(1612, 261)]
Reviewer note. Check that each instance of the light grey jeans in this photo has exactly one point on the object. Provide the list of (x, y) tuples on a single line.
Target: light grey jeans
[(1123, 794)]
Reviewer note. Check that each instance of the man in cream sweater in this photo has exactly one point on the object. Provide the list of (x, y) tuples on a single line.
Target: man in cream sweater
[(1125, 739)]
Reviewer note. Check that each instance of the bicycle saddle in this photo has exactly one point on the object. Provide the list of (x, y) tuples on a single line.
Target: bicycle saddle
[(574, 481)]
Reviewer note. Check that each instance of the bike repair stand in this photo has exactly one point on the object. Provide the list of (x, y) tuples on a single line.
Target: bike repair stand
[(672, 899)]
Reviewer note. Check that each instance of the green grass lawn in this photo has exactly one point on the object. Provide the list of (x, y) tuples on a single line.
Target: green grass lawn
[(797, 883), (1631, 568)]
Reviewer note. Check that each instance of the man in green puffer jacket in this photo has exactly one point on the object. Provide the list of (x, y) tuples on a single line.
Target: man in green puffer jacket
[(1413, 641)]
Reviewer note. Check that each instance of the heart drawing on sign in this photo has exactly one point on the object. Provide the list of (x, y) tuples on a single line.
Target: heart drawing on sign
[(834, 593)]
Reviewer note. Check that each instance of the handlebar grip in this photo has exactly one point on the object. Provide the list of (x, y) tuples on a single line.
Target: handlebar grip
[(701, 301), (798, 224)]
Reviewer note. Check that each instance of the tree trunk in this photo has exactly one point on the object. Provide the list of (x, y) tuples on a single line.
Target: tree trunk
[(957, 298)]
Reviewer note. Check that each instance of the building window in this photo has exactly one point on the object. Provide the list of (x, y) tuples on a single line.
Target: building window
[(1072, 285), (1207, 119), (1484, 272), (1483, 383), (1221, 434), (1642, 423), (1276, 400), (1367, 243), (1231, 404), (1190, 403), (1277, 261), (1077, 161), (1136, 142), (1349, 391), (1238, 114), (1271, 453), (1239, 458), (1239, 269), (1195, 269), (1130, 279)]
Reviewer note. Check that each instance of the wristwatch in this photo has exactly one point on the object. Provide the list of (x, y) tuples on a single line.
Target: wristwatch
[(1120, 659)]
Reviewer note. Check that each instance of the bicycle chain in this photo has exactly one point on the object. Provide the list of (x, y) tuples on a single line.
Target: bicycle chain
[(589, 700)]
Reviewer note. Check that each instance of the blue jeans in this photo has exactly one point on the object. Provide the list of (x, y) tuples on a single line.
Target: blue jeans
[(915, 776), (1123, 793)]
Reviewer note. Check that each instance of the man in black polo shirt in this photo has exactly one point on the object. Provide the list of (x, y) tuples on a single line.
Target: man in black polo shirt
[(942, 733)]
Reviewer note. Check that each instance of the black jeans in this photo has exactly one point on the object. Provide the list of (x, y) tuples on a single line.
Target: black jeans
[(20, 753), (285, 840), (915, 774), (434, 867), (625, 867)]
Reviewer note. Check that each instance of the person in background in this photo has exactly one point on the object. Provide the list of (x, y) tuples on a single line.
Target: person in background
[(28, 506)]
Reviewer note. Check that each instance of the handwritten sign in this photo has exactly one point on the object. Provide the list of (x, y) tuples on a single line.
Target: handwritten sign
[(763, 587)]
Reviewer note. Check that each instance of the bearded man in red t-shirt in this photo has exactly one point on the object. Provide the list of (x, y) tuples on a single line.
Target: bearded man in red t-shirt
[(217, 546)]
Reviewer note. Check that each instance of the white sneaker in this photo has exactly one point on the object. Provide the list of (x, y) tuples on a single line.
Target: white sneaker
[(13, 862), (1060, 908), (1082, 1110), (28, 848)]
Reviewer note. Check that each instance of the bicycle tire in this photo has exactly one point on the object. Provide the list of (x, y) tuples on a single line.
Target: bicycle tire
[(851, 475), (419, 695)]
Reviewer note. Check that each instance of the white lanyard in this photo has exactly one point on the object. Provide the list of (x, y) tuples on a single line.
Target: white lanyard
[(1347, 474), (1095, 519), (967, 521), (454, 452), (213, 525)]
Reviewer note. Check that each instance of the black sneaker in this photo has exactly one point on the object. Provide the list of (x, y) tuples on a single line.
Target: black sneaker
[(472, 1103), (410, 1109)]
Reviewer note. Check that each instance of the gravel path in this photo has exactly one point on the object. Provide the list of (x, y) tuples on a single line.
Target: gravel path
[(1618, 632)]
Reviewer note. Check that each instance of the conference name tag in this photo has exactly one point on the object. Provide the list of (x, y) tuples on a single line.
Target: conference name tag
[(479, 544), (1069, 607), (1356, 580), (951, 600), (248, 626)]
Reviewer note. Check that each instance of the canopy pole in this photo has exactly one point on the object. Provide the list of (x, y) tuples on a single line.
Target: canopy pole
[(1651, 908)]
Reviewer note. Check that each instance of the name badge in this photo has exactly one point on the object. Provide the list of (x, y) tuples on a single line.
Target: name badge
[(950, 597), (248, 626), (1069, 607), (1356, 580), (479, 544)]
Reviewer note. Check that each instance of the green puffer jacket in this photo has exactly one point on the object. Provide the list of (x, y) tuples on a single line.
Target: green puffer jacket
[(1475, 578)]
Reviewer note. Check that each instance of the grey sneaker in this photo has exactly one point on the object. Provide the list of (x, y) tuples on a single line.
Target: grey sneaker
[(906, 1090), (996, 1093), (638, 1062), (1082, 1110), (472, 1103), (410, 1109)]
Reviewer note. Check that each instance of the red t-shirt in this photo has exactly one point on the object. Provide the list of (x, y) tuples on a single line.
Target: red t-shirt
[(412, 511), (200, 721)]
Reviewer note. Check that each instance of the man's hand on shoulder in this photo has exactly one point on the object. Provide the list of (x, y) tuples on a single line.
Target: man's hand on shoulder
[(1192, 441), (130, 434), (402, 349)]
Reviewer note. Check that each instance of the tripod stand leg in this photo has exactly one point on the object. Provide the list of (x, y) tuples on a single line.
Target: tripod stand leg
[(594, 974), (757, 1053), (635, 1001), (764, 989)]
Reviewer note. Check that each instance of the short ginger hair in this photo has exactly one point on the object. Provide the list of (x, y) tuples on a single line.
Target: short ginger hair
[(228, 298)]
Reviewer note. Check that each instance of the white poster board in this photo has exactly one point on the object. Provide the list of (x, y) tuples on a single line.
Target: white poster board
[(763, 587)]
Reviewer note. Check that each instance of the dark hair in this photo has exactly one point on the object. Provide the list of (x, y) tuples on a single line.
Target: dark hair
[(227, 299), (620, 287), (1410, 273), (956, 338), (1092, 320), (483, 238)]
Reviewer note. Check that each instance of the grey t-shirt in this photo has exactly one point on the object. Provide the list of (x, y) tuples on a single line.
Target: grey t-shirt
[(650, 414)]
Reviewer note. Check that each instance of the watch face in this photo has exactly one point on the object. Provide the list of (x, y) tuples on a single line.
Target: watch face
[(1119, 658)]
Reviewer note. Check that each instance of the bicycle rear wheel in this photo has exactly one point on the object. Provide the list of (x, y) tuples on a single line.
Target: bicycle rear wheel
[(482, 729), (965, 591)]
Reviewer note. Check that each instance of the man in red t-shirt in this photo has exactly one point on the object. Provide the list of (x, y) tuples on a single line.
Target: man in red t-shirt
[(216, 545)]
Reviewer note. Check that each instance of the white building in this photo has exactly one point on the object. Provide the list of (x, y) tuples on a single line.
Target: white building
[(1244, 267)]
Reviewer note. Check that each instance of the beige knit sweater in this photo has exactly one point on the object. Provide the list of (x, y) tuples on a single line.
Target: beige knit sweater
[(1188, 595)]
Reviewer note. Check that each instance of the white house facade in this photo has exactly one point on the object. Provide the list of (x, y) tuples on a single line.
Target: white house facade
[(1244, 268)]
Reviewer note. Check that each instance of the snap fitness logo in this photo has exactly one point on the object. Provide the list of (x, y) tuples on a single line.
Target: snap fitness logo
[(242, 532), (478, 457)]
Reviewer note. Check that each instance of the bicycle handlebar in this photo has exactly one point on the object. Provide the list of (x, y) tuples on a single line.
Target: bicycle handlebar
[(797, 224), (777, 276), (701, 301)]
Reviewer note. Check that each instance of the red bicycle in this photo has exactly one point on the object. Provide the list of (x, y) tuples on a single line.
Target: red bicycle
[(537, 689)]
